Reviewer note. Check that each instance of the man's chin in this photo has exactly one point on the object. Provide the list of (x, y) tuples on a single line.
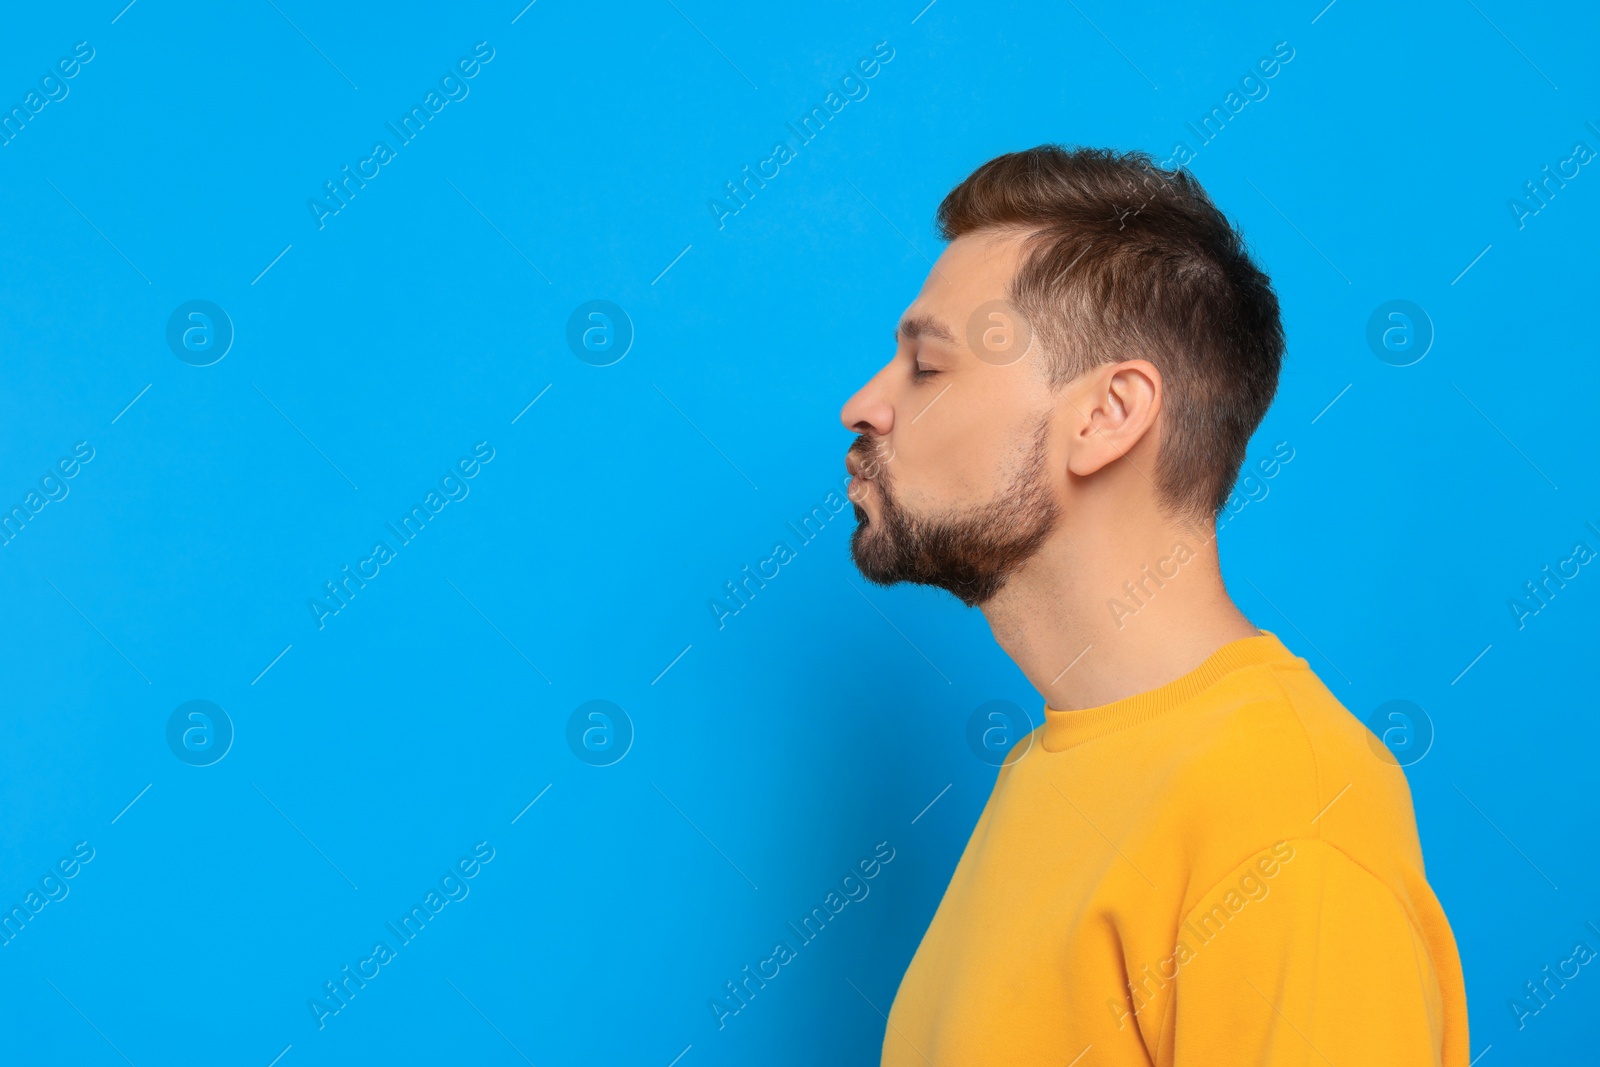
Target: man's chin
[(867, 553), (971, 571)]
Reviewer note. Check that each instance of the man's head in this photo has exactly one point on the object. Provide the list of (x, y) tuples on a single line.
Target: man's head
[(1089, 307)]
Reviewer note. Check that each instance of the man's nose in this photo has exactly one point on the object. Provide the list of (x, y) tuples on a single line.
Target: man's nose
[(870, 411)]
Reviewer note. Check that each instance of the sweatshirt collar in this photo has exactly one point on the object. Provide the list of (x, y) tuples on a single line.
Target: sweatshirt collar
[(1063, 729)]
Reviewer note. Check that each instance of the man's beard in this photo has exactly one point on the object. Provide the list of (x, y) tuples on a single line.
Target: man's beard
[(969, 552)]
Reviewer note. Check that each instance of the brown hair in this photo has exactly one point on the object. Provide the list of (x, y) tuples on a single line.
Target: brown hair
[(1129, 261)]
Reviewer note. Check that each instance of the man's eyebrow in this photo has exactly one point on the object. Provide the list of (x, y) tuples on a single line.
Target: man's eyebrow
[(915, 326)]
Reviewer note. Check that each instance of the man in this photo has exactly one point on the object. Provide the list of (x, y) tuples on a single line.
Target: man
[(1201, 858)]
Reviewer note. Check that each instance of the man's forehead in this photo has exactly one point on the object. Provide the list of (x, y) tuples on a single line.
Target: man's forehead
[(974, 269)]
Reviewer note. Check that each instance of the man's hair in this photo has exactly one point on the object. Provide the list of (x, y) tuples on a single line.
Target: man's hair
[(1128, 261)]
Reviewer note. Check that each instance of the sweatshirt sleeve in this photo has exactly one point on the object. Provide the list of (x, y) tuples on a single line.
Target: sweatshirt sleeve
[(1316, 964)]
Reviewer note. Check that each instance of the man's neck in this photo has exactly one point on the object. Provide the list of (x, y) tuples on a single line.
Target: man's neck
[(1100, 614)]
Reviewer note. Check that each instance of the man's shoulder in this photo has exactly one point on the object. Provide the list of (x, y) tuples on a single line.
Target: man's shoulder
[(1284, 728), (1276, 756)]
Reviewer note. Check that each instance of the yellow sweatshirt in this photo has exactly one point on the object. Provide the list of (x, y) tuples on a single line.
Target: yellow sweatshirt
[(1218, 872)]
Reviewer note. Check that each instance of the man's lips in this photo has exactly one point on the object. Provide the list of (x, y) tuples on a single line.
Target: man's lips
[(856, 488)]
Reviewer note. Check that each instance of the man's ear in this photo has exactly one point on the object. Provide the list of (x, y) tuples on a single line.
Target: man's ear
[(1113, 407)]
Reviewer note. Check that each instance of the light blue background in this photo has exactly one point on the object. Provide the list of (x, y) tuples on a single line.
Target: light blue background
[(825, 716)]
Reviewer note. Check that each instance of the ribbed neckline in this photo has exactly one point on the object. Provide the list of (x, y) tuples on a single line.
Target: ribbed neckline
[(1063, 729)]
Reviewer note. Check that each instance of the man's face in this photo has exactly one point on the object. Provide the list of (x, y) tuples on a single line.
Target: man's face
[(955, 481)]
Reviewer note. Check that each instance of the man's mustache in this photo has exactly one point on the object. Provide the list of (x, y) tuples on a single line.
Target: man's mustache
[(872, 459)]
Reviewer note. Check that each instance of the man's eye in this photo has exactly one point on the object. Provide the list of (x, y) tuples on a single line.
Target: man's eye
[(921, 373)]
